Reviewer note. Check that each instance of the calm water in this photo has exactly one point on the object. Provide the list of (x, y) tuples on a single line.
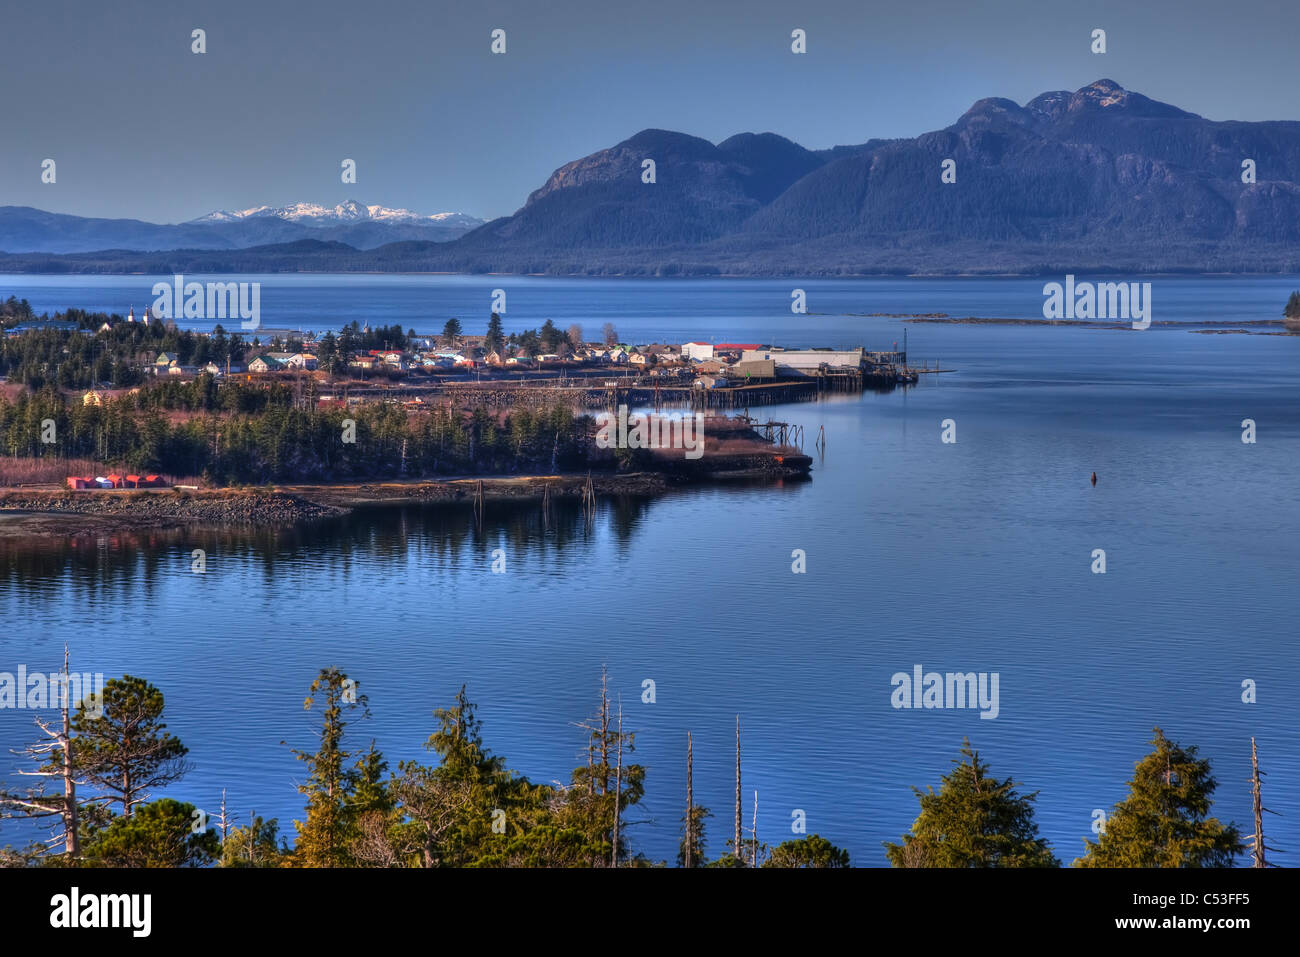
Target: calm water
[(967, 557)]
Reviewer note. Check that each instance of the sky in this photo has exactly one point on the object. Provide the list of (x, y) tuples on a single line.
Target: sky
[(141, 127)]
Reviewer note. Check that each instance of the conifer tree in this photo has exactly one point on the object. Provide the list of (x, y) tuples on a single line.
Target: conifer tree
[(690, 852), (550, 336), (604, 789), (324, 838), (257, 845), (1164, 821), (158, 834), (123, 747), (451, 332), (973, 821), (810, 851), (495, 340)]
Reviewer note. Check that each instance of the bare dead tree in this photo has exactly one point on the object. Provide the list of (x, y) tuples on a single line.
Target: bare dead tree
[(690, 806), (224, 819), (431, 804), (618, 785), (54, 759), (1257, 844), (739, 849)]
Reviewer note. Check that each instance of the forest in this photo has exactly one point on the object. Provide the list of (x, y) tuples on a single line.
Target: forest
[(239, 434)]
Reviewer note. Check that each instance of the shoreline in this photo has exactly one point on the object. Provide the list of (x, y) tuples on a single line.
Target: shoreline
[(32, 512)]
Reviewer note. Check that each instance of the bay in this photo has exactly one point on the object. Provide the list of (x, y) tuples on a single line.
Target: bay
[(973, 556)]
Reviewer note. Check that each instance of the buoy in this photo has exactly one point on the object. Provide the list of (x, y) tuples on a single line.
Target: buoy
[(1094, 478)]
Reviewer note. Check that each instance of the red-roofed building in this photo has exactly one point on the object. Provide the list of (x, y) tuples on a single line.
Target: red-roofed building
[(736, 346)]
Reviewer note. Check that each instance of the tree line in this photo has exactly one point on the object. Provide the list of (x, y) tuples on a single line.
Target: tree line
[(252, 434), (99, 767), (464, 808)]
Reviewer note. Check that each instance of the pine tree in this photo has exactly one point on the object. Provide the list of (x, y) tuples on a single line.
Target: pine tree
[(257, 845), (451, 332), (604, 789), (550, 336), (158, 834), (328, 357), (324, 839), (1164, 821), (974, 821), (691, 851), (1293, 306), (810, 851), (123, 747), (494, 341)]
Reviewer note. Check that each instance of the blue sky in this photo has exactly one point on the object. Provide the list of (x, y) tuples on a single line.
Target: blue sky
[(141, 127)]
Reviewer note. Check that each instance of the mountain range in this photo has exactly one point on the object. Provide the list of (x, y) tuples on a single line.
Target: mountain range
[(1101, 179), (24, 229)]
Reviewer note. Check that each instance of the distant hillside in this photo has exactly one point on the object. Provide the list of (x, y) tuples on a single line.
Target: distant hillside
[(1102, 179), (27, 230)]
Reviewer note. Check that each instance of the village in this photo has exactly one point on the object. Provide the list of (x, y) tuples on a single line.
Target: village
[(167, 405), (527, 367)]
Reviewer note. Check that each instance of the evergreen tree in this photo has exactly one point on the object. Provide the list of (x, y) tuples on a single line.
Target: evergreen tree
[(464, 811), (324, 839), (1164, 821), (529, 344), (328, 358), (158, 834), (257, 845), (810, 851), (974, 821), (494, 341), (1293, 306), (605, 788), (693, 834), (451, 332), (550, 336), (124, 747)]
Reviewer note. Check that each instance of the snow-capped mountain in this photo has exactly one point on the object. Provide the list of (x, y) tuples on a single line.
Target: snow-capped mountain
[(23, 229), (313, 214)]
